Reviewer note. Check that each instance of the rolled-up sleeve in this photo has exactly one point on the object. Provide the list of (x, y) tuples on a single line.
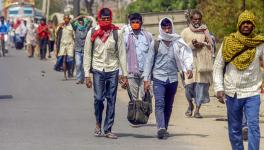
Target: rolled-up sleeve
[(186, 56), (122, 53), (149, 62), (218, 76), (87, 55)]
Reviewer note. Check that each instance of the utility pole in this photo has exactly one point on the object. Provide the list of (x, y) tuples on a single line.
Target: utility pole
[(44, 6), (76, 8), (243, 5), (48, 9)]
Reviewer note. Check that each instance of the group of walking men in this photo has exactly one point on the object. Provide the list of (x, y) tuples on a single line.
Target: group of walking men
[(130, 56)]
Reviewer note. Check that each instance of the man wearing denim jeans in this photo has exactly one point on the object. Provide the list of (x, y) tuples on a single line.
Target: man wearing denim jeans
[(164, 62), (81, 26), (240, 81), (104, 60)]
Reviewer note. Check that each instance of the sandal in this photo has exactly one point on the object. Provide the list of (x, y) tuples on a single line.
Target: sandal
[(189, 112), (97, 132), (197, 115), (111, 135)]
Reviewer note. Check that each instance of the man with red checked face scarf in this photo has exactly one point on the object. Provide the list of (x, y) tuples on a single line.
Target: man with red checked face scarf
[(102, 57)]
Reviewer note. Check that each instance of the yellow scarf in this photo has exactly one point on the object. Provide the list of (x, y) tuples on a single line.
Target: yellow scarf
[(235, 42)]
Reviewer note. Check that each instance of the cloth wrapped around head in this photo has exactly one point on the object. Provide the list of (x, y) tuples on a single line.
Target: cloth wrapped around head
[(236, 42), (105, 25)]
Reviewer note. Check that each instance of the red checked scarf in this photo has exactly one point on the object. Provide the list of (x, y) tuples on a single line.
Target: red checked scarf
[(105, 28)]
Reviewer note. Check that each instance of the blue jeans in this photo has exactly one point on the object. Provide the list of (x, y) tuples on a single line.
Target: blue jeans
[(164, 97), (105, 87), (43, 48), (79, 66), (235, 108)]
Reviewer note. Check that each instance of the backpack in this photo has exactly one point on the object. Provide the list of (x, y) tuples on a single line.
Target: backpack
[(115, 35)]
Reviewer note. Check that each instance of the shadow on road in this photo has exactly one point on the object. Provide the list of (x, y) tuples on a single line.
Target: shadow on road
[(154, 136), (6, 97)]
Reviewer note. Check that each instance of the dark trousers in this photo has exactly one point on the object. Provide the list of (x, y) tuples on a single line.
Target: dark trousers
[(105, 87), (164, 97), (51, 46), (43, 48), (235, 108)]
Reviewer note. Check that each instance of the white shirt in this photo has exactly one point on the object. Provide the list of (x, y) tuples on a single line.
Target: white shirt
[(243, 83)]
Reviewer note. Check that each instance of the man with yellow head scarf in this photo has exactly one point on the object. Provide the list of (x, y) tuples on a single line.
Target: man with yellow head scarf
[(237, 77)]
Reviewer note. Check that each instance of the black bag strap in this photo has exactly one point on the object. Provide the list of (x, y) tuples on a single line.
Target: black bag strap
[(115, 35), (156, 49), (235, 56)]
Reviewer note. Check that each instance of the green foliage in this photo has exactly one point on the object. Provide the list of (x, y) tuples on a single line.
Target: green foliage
[(221, 16), (160, 5), (55, 5)]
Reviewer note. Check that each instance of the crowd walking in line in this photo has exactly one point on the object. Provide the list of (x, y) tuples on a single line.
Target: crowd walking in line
[(105, 55)]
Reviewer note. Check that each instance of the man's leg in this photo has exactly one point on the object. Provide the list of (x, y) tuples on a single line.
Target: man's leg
[(189, 93), (159, 89), (235, 115), (99, 96), (252, 114), (78, 57), (244, 127), (169, 99), (133, 82), (111, 91), (41, 49)]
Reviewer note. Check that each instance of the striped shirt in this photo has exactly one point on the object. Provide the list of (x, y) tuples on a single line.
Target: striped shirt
[(242, 83)]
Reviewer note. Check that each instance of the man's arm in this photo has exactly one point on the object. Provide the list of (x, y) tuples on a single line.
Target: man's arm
[(149, 62), (186, 56), (87, 55), (218, 76), (122, 53)]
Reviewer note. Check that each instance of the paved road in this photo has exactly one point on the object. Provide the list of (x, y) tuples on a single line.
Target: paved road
[(39, 111)]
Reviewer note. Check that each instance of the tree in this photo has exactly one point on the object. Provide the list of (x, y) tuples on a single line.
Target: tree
[(221, 17), (160, 5), (76, 8), (88, 5)]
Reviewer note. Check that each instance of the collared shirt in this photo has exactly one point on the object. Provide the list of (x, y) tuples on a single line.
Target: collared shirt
[(165, 66), (105, 56), (242, 83), (142, 46)]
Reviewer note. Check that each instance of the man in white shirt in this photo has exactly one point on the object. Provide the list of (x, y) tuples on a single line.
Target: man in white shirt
[(102, 56), (237, 77)]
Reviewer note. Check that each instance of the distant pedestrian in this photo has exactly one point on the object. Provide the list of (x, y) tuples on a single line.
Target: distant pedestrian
[(197, 36), (20, 32), (237, 77), (104, 52), (31, 38), (43, 36), (51, 42), (65, 40), (81, 26), (167, 55)]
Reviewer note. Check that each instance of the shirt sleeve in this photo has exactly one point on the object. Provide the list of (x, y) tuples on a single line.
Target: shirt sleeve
[(122, 53), (218, 76), (87, 55), (186, 56), (149, 62)]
